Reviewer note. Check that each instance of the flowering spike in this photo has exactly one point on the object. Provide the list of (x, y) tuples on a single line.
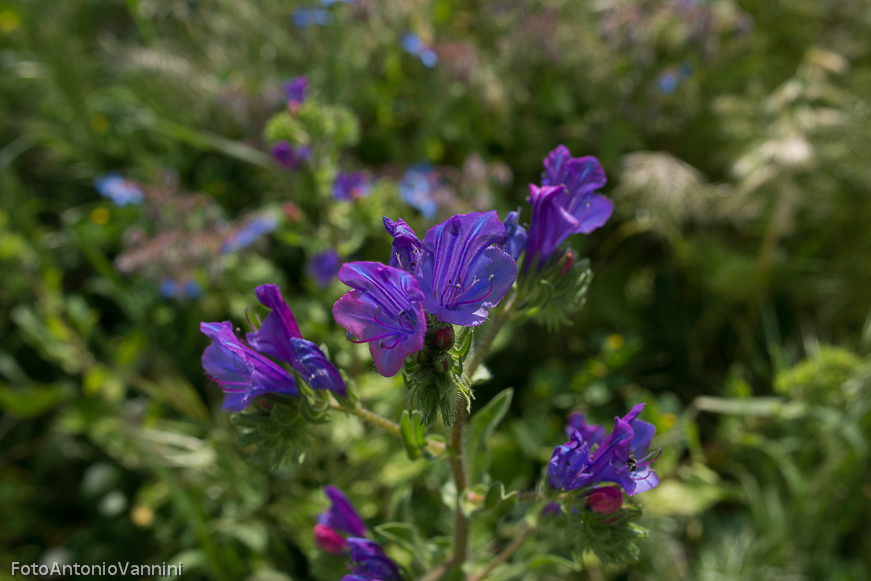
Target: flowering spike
[(400, 325), (463, 273), (295, 92)]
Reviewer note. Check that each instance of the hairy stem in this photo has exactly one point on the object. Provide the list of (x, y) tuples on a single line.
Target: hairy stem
[(370, 417), (458, 466), (505, 554)]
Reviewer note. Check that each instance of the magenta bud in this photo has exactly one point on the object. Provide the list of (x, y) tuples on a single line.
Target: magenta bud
[(444, 338), (570, 261), (605, 500), (329, 540)]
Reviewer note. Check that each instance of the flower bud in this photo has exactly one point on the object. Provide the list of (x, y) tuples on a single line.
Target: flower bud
[(605, 500), (570, 261), (444, 338), (329, 540)]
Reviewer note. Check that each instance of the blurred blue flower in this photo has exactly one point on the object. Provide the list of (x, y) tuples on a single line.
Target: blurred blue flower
[(289, 156), (295, 91), (250, 233), (385, 309), (308, 17), (463, 273), (417, 187), (412, 44), (329, 3), (370, 563), (240, 371), (192, 289), (279, 338), (351, 185), (324, 267), (667, 82), (620, 458), (122, 192), (168, 288)]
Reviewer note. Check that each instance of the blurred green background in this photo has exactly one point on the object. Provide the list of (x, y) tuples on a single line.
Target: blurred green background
[(731, 287)]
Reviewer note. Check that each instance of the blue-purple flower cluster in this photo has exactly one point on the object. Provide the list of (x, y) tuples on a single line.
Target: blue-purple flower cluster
[(417, 187), (457, 273), (245, 371), (413, 44), (250, 233), (121, 191)]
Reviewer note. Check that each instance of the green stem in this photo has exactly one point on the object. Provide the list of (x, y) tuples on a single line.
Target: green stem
[(505, 554), (370, 417), (483, 347), (458, 467)]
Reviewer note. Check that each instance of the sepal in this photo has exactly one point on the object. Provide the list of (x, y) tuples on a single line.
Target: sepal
[(551, 295)]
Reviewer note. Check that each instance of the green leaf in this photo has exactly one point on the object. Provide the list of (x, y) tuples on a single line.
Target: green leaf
[(403, 534), (413, 433), (482, 424)]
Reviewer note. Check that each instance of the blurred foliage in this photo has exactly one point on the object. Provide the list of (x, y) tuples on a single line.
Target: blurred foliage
[(729, 289)]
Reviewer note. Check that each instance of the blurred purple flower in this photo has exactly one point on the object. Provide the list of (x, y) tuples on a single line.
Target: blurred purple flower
[(308, 17), (192, 289), (351, 186), (515, 235), (342, 515), (575, 465), (384, 308), (463, 273), (168, 288), (250, 233), (566, 203), (289, 156), (279, 338), (591, 433), (370, 563), (407, 248), (241, 372), (122, 192), (417, 187), (294, 92), (324, 267)]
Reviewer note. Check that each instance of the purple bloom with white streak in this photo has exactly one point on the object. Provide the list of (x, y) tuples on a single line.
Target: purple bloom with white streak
[(566, 203), (351, 186), (241, 372), (288, 156), (463, 272), (576, 465), (370, 563), (122, 192), (324, 267), (279, 338), (294, 92), (385, 309)]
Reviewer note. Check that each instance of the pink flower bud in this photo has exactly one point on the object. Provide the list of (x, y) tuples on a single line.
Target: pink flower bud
[(605, 500), (570, 261), (329, 540), (444, 338)]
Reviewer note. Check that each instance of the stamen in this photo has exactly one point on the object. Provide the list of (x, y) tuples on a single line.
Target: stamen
[(480, 299), (395, 343), (372, 339)]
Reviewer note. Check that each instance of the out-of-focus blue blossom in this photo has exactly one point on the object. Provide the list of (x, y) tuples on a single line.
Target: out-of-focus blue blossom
[(576, 464), (515, 235), (370, 563), (303, 17), (566, 203), (351, 186), (407, 248), (417, 187), (289, 156), (385, 309), (168, 288), (241, 372), (295, 91), (463, 273), (329, 3), (122, 192), (250, 233), (342, 515), (412, 44), (192, 289), (279, 338), (324, 267), (670, 79)]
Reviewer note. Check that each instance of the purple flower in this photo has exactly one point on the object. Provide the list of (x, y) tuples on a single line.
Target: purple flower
[(342, 515), (384, 309), (407, 248), (122, 192), (370, 562), (168, 288), (250, 233), (417, 187), (288, 156), (463, 273), (515, 235), (566, 203), (279, 338), (294, 92), (620, 458), (305, 18), (591, 433), (350, 186), (324, 267), (192, 289), (241, 372)]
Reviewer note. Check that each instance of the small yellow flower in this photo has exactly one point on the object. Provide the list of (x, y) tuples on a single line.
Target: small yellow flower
[(100, 215), (142, 516), (669, 420), (599, 369), (614, 342)]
